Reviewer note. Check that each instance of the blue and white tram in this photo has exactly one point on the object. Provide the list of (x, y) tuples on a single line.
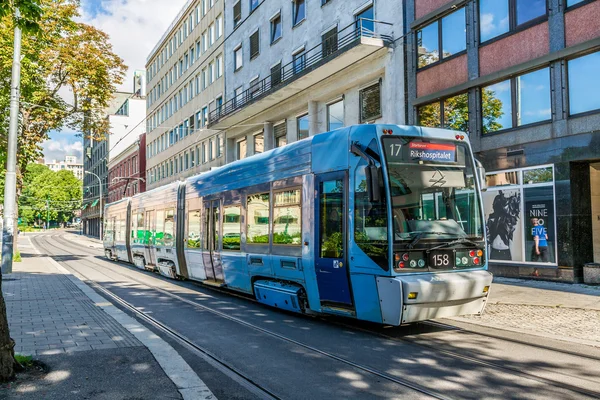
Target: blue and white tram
[(381, 223)]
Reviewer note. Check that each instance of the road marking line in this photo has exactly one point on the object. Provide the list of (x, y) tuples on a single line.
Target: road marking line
[(188, 383)]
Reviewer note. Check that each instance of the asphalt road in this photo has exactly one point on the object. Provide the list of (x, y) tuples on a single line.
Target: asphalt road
[(297, 357)]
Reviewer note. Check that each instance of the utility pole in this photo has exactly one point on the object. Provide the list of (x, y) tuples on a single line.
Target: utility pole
[(10, 185), (47, 214)]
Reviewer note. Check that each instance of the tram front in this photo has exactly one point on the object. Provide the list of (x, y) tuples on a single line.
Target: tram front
[(438, 251)]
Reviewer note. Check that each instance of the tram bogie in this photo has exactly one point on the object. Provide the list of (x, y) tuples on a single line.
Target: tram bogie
[(375, 222)]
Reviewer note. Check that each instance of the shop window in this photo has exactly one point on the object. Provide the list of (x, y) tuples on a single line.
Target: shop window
[(259, 143), (287, 220), (497, 17), (335, 115), (258, 218), (539, 175), (451, 113), (194, 225), (280, 133), (450, 30), (516, 102), (241, 149), (232, 228), (583, 80), (302, 125)]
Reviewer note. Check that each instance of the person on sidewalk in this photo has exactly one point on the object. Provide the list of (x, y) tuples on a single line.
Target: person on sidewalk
[(540, 239)]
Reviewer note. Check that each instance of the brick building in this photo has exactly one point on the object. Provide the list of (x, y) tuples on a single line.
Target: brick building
[(521, 76), (127, 170)]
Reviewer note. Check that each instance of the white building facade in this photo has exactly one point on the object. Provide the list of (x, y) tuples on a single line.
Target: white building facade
[(185, 83), (70, 164), (297, 68)]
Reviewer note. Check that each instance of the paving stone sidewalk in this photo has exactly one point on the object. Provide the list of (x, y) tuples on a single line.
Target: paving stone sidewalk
[(48, 314), (555, 310)]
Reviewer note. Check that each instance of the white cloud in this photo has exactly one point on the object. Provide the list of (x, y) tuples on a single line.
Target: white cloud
[(134, 27), (57, 149)]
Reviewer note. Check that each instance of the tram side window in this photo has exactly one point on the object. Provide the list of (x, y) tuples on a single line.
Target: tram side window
[(287, 217), (141, 233), (194, 223), (133, 227), (123, 228), (258, 219), (232, 227), (169, 233), (159, 235), (370, 221)]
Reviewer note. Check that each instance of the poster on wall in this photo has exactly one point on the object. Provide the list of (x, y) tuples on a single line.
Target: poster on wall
[(539, 222), (504, 224)]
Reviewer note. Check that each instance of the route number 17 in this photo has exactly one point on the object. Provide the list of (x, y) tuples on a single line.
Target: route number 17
[(395, 149)]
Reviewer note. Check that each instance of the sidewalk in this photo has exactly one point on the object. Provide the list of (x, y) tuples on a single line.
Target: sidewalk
[(60, 321), (567, 312)]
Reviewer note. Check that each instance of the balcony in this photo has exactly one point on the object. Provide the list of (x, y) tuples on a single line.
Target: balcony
[(337, 50)]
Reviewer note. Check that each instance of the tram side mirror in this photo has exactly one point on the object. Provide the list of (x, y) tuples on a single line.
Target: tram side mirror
[(373, 184), (481, 175)]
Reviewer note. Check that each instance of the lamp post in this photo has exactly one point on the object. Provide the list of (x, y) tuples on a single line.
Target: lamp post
[(101, 209)]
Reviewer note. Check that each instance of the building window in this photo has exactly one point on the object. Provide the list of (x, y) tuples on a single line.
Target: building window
[(329, 42), (204, 116), (237, 13), (254, 4), (211, 34), (238, 96), (254, 45), (302, 125), (365, 21), (219, 26), (451, 113), (450, 30), (232, 228), (280, 133), (573, 2), (259, 143), (238, 58), (276, 74), (516, 102), (335, 115), (275, 28), (258, 209), (254, 88), (370, 103), (220, 145), (203, 152), (211, 149), (583, 81), (501, 16), (299, 11), (299, 61), (241, 149)]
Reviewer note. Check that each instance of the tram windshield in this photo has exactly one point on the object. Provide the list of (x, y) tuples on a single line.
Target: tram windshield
[(433, 190)]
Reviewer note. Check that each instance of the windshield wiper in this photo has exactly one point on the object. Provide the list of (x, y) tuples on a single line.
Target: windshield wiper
[(452, 243), (419, 236)]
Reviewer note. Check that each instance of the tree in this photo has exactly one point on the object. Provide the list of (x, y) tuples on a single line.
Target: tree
[(58, 53)]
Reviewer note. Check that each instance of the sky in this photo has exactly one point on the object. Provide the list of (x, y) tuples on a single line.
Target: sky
[(134, 27)]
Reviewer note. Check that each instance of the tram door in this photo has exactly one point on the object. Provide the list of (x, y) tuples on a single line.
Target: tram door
[(211, 254), (150, 225), (331, 268)]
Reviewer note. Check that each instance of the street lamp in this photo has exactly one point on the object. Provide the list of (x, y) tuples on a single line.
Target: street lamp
[(101, 209)]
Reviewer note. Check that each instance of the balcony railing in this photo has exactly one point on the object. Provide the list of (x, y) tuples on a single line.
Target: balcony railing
[(333, 44)]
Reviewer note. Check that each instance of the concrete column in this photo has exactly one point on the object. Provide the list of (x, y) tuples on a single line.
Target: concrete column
[(313, 118), (269, 135), (475, 119), (558, 75), (230, 150), (556, 24), (472, 40), (292, 130), (250, 144)]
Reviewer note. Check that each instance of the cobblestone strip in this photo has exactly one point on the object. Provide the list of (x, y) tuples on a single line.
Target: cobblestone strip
[(554, 322)]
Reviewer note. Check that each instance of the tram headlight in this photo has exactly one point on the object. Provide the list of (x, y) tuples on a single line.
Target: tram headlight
[(413, 263), (458, 260), (421, 263), (465, 260)]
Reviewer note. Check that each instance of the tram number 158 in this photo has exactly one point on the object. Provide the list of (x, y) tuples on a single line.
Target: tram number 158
[(439, 260)]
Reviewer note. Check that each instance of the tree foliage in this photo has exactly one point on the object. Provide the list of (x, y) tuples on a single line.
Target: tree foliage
[(61, 58), (49, 194)]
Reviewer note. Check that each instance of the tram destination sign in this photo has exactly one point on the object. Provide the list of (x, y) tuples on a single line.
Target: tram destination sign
[(397, 151)]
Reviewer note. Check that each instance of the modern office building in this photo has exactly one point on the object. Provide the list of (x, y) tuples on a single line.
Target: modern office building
[(185, 83), (297, 68), (69, 163), (521, 76)]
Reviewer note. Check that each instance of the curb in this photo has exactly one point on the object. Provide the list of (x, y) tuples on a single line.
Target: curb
[(188, 383)]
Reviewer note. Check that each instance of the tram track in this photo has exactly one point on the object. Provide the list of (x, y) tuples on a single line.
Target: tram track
[(383, 375), (190, 344)]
